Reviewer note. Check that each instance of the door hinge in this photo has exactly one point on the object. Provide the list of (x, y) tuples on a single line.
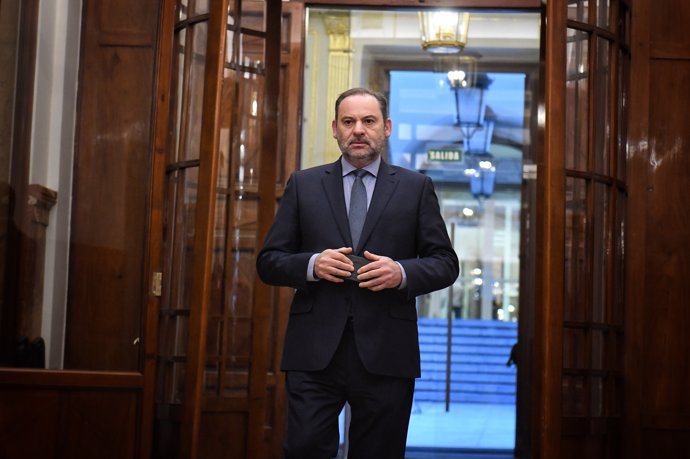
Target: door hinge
[(157, 284), (529, 171)]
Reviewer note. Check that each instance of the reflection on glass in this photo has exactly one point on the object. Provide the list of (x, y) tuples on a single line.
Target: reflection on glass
[(183, 238), (598, 350), (178, 85), (576, 268), (174, 322), (171, 359), (253, 16), (596, 404), (619, 234), (200, 7), (574, 396), (194, 87), (602, 118), (10, 84), (622, 113), (234, 244), (578, 10), (624, 24), (577, 100), (603, 13), (229, 53), (574, 348), (182, 9), (601, 239), (247, 145), (252, 52)]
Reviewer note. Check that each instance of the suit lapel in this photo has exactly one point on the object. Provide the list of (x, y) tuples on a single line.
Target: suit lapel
[(386, 183), (332, 182)]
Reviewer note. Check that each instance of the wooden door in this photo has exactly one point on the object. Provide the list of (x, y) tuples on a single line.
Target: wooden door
[(581, 232), (657, 341), (217, 386), (90, 385)]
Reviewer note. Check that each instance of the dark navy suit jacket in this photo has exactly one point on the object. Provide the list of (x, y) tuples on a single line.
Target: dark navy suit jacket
[(403, 222)]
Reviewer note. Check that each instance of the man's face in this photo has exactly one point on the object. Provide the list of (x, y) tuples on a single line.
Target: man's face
[(360, 129)]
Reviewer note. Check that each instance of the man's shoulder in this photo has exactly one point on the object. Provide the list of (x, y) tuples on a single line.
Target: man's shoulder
[(315, 171), (407, 174)]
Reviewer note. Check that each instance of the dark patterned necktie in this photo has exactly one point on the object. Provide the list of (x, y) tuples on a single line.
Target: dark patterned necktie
[(358, 207)]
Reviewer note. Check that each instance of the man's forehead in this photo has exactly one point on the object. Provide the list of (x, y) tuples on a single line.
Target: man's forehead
[(360, 105)]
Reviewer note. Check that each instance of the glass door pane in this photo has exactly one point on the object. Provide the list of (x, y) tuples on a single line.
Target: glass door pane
[(215, 345), (466, 395), (181, 194), (594, 203)]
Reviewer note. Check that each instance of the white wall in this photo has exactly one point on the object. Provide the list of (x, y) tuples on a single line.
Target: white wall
[(57, 60)]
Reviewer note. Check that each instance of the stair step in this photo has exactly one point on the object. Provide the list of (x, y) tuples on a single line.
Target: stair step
[(467, 332), (465, 349), (469, 355), (479, 351), (468, 367), (468, 340), (477, 388), (464, 397), (469, 377)]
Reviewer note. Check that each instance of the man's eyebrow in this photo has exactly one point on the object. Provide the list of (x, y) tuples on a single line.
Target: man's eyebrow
[(371, 117)]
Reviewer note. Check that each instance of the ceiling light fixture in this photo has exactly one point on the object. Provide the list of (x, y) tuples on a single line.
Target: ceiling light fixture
[(444, 31)]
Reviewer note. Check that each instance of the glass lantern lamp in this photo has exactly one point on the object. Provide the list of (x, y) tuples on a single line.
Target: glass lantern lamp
[(444, 31)]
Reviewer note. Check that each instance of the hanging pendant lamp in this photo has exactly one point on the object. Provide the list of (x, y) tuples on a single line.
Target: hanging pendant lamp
[(444, 31)]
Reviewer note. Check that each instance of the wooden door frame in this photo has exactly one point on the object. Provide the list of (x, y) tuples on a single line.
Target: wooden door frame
[(154, 259), (204, 230), (263, 297), (546, 393), (205, 213)]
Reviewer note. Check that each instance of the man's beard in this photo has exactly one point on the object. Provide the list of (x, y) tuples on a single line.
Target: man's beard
[(371, 154)]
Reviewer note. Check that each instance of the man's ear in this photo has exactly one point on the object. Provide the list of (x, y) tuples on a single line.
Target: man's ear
[(334, 126), (388, 127)]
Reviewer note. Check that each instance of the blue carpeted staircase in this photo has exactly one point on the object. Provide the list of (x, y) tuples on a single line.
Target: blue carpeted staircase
[(480, 350)]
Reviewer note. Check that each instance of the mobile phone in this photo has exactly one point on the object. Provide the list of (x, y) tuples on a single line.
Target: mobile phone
[(358, 262)]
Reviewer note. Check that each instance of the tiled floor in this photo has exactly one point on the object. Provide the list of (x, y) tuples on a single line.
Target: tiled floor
[(466, 426), (466, 431)]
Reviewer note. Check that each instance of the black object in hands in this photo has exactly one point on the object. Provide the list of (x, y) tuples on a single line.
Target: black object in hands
[(358, 262)]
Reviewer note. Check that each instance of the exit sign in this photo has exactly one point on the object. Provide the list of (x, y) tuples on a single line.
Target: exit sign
[(444, 154)]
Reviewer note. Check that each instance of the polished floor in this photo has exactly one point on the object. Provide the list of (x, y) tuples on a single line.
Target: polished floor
[(465, 431), (464, 426)]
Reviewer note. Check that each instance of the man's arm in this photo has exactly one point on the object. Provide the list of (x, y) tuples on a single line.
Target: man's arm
[(436, 266), (280, 261)]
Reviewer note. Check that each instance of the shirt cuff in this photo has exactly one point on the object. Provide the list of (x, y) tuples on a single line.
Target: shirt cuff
[(403, 282), (311, 277)]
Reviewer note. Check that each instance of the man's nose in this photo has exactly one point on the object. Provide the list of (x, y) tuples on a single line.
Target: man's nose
[(359, 126)]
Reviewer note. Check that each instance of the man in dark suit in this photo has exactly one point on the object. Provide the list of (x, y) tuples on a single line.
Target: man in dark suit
[(352, 335)]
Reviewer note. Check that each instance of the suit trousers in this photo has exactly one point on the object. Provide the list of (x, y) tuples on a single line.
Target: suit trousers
[(380, 408)]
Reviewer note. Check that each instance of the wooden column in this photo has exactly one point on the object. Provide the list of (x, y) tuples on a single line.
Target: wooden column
[(36, 212)]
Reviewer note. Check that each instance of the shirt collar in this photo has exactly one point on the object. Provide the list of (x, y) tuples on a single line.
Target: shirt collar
[(372, 168)]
